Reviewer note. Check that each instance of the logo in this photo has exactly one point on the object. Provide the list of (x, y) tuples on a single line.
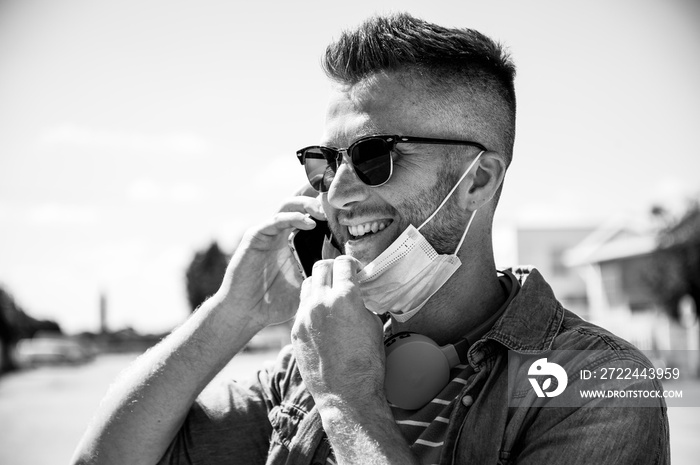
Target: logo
[(551, 370)]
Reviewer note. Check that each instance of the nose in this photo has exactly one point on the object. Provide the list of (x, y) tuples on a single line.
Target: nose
[(346, 188)]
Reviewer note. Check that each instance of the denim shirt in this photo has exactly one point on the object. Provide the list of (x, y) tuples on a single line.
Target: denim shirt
[(272, 420)]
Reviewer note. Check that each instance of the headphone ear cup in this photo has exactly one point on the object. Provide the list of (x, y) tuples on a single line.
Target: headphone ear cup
[(416, 370)]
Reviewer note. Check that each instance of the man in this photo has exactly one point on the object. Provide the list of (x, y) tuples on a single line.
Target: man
[(425, 119)]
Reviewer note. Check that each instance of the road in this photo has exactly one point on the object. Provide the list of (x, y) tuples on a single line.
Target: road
[(44, 411)]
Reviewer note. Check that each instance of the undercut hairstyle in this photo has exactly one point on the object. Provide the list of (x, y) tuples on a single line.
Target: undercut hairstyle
[(446, 60)]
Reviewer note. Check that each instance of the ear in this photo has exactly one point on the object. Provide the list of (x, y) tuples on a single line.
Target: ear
[(488, 175)]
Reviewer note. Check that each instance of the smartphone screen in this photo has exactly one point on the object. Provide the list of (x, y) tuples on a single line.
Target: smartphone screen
[(306, 245)]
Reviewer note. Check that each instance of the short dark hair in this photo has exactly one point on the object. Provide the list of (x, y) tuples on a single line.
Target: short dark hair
[(444, 57), (396, 42)]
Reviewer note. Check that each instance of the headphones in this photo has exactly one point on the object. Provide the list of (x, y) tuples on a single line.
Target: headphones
[(417, 368)]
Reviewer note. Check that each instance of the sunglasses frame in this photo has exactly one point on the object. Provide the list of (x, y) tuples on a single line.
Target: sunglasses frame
[(392, 140)]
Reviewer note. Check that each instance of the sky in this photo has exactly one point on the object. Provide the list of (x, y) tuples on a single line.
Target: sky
[(134, 133)]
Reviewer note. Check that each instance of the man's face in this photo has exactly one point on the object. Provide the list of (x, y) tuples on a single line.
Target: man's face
[(366, 220)]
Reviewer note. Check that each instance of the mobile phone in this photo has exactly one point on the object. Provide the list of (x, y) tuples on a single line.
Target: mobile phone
[(307, 246)]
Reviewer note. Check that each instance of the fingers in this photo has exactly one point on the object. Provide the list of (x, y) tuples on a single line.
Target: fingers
[(284, 221), (331, 296), (335, 273), (295, 212), (305, 289), (322, 274), (307, 191), (345, 268), (310, 205)]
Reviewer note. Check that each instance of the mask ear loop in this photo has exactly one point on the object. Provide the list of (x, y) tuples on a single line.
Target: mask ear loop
[(447, 197)]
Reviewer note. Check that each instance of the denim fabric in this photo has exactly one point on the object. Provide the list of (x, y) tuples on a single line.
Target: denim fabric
[(273, 420)]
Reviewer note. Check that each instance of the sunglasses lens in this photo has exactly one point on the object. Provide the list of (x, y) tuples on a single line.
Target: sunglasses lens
[(320, 164), (372, 161)]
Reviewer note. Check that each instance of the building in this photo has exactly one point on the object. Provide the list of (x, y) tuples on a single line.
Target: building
[(615, 262), (544, 248)]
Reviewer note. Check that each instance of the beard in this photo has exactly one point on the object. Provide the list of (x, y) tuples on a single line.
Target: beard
[(443, 231)]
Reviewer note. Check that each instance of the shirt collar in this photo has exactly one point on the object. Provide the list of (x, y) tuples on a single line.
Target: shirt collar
[(529, 324)]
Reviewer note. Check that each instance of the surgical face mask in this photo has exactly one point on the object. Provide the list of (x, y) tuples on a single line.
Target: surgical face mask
[(409, 272)]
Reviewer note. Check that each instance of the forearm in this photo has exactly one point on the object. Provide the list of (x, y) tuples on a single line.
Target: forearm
[(147, 405), (364, 433)]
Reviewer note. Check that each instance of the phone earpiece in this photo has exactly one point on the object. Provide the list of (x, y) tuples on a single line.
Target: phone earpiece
[(417, 369)]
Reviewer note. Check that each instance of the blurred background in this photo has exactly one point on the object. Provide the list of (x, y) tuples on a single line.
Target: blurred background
[(140, 139)]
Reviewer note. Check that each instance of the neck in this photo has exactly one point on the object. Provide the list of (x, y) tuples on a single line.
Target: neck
[(468, 299)]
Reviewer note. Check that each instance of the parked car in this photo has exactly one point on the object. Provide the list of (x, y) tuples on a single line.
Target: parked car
[(52, 350)]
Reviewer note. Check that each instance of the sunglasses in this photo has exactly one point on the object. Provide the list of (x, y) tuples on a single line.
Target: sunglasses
[(370, 157)]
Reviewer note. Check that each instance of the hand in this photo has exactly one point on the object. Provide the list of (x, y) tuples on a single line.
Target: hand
[(338, 343), (262, 279)]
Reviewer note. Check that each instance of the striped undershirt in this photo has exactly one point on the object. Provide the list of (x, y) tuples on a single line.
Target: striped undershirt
[(425, 429)]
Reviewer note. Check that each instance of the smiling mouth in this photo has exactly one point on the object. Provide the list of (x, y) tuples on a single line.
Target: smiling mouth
[(369, 228)]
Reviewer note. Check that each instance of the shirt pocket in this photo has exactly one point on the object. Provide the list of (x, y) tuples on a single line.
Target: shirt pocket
[(285, 420)]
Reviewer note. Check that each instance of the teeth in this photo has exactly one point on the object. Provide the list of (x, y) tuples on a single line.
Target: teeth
[(362, 229)]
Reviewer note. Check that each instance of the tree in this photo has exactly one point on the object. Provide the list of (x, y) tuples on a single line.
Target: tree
[(8, 336), (15, 324), (676, 262), (205, 273)]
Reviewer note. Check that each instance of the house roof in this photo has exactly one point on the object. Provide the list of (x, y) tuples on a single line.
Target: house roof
[(619, 238)]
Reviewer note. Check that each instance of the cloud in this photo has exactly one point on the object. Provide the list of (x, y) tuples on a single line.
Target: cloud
[(54, 213), (81, 136), (148, 190)]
